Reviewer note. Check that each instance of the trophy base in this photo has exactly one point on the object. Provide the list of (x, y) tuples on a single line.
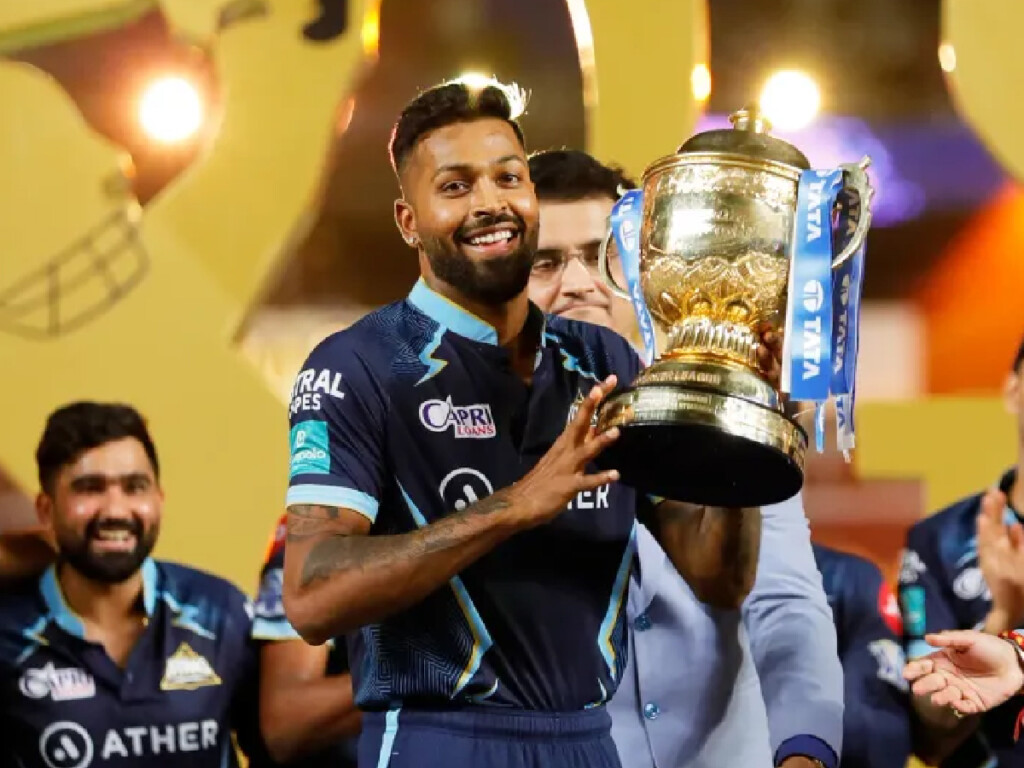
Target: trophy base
[(683, 438)]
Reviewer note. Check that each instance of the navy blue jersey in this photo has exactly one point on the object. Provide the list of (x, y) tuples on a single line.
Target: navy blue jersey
[(415, 412), (942, 587), (271, 625), (188, 683), (876, 721)]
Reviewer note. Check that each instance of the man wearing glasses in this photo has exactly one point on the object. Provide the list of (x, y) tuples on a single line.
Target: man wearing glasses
[(691, 694)]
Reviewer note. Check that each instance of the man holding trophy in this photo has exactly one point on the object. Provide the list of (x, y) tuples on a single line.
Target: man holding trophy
[(485, 626), (517, 595)]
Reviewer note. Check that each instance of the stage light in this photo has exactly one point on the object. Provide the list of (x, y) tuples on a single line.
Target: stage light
[(700, 82), (171, 109), (790, 100), (370, 31), (947, 57)]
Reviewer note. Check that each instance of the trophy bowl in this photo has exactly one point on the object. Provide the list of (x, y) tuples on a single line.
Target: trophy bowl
[(702, 424)]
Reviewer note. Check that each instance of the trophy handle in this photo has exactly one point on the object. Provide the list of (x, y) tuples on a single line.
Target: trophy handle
[(855, 178), (602, 267)]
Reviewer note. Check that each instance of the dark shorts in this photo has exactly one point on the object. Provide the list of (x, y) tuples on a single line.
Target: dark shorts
[(487, 738)]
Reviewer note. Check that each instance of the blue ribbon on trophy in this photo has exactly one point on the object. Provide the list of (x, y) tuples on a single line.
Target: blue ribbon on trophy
[(823, 314), (625, 226), (807, 340), (848, 284)]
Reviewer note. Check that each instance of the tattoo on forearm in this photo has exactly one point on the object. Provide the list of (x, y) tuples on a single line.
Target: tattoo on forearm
[(341, 552), (314, 511), (305, 521)]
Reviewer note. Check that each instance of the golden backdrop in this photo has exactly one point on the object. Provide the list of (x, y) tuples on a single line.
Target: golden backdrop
[(103, 299)]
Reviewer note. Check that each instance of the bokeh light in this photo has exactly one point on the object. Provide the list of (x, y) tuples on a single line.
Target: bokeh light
[(171, 110)]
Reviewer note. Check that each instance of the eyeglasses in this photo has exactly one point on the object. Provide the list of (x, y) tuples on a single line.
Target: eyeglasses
[(550, 263)]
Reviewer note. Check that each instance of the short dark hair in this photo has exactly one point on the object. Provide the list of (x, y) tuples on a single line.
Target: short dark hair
[(566, 175), (1019, 357), (453, 102), (79, 427)]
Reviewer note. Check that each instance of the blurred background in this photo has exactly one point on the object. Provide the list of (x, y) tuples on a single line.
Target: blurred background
[(942, 317)]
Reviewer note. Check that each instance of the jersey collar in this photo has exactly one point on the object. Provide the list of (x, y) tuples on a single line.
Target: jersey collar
[(60, 612), (456, 319)]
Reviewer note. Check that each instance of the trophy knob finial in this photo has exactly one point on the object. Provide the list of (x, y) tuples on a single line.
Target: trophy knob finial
[(750, 118)]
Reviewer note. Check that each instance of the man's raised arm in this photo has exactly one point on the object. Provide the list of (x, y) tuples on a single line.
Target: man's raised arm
[(715, 549)]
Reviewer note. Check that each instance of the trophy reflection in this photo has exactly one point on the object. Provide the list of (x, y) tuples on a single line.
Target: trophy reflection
[(716, 241)]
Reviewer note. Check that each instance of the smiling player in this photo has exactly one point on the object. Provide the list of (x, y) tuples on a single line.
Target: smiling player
[(443, 506), (111, 657)]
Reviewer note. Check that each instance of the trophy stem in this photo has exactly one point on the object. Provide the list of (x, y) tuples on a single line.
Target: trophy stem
[(703, 337)]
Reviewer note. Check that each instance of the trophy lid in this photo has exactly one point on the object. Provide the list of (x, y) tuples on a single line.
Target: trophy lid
[(748, 136)]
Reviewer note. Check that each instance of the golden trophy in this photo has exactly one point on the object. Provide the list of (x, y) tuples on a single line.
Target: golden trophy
[(715, 242)]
